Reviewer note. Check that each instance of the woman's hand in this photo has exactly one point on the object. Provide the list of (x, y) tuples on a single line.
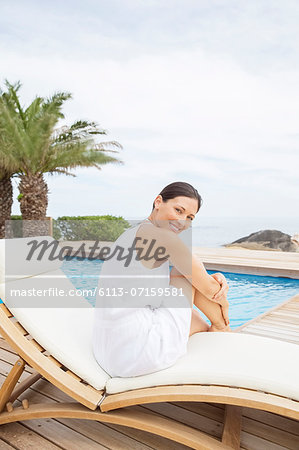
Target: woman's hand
[(221, 296)]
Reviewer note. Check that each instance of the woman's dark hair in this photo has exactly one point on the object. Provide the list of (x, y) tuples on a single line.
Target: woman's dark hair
[(180, 189)]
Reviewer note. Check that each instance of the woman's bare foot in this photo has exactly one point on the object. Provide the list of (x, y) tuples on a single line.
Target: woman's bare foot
[(215, 327)]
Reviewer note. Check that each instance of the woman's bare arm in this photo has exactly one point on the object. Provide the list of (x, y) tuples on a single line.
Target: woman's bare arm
[(183, 260), (181, 257)]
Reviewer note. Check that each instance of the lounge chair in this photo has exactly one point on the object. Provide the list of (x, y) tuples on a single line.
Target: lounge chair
[(229, 368)]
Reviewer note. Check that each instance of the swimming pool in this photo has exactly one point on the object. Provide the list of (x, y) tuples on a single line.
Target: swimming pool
[(249, 295)]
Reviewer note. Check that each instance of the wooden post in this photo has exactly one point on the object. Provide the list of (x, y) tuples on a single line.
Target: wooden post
[(24, 385), (231, 434), (10, 382)]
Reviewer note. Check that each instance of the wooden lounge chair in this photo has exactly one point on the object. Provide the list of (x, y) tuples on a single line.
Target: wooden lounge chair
[(229, 368)]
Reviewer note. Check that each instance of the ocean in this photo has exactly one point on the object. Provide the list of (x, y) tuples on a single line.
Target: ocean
[(215, 231), (218, 231)]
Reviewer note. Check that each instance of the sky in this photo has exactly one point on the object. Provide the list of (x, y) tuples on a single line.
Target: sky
[(201, 91)]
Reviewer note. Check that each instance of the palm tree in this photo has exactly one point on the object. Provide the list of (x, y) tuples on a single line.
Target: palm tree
[(38, 146), (5, 200), (8, 166)]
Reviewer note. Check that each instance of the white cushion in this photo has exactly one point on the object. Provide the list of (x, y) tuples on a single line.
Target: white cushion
[(13, 254), (46, 290), (228, 359), (66, 332)]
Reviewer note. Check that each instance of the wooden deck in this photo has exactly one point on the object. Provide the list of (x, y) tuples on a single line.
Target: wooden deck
[(260, 430), (255, 262), (280, 322)]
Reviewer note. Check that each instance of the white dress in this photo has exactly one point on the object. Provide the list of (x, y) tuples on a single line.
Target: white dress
[(137, 334)]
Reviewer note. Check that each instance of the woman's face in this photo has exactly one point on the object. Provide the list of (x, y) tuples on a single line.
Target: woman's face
[(175, 214)]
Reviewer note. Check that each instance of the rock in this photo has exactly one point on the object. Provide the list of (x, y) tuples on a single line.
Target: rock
[(267, 240), (295, 238)]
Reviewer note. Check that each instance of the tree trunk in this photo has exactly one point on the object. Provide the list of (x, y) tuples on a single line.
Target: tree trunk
[(5, 203), (33, 204)]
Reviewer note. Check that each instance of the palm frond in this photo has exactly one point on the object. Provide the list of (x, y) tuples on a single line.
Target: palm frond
[(63, 171), (33, 109), (54, 103), (103, 146), (12, 131), (13, 94), (87, 127)]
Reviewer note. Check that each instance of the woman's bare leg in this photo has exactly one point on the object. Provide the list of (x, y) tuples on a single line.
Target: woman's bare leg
[(211, 309), (198, 324)]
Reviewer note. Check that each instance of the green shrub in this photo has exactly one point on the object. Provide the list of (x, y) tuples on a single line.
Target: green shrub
[(102, 228), (73, 228)]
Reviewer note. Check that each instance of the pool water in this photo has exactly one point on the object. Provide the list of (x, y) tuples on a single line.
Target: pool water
[(248, 296)]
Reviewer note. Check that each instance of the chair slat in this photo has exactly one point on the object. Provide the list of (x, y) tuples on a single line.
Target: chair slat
[(6, 310), (36, 344), (54, 361), (22, 329), (72, 374)]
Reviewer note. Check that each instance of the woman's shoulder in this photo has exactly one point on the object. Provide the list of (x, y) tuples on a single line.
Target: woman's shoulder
[(162, 235)]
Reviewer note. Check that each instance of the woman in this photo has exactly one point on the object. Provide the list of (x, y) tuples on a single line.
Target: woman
[(144, 314)]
